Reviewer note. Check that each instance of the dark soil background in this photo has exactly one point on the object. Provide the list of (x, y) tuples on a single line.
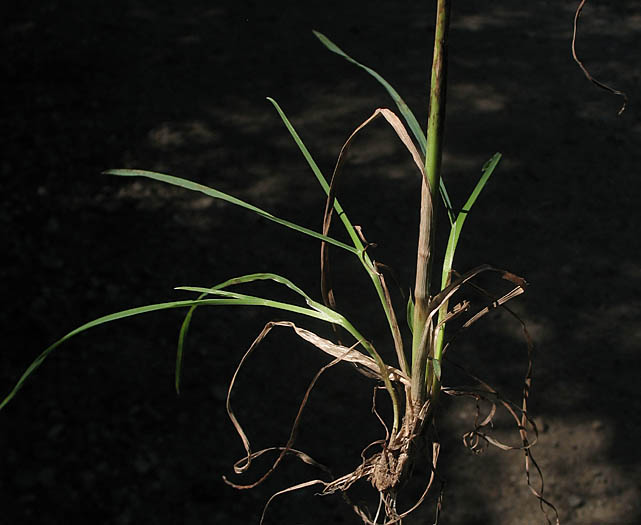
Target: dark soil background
[(98, 435)]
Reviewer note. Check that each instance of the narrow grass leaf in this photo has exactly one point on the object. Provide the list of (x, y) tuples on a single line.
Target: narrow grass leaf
[(457, 227), (319, 175), (334, 205), (413, 124), (322, 312), (319, 312), (407, 113), (301, 145), (250, 300), (230, 282), (437, 368), (230, 300), (488, 169), (410, 313), (330, 315), (263, 276), (194, 186)]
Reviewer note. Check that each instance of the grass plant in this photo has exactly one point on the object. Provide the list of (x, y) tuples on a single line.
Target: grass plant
[(413, 381)]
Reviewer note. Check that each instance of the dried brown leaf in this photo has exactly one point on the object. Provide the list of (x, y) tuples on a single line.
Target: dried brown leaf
[(584, 69), (340, 353)]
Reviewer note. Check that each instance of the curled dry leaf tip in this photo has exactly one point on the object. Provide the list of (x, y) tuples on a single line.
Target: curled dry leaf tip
[(585, 70)]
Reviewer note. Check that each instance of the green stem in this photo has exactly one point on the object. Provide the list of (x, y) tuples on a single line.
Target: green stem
[(420, 353), (446, 277)]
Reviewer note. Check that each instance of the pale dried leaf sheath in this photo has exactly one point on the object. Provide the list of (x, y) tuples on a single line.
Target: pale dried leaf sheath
[(458, 309), (439, 299), (423, 251), (499, 302), (351, 355)]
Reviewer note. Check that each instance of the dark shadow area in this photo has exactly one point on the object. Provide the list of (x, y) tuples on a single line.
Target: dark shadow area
[(98, 435)]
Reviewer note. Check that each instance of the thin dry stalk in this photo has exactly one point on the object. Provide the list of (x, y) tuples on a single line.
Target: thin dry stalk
[(584, 69)]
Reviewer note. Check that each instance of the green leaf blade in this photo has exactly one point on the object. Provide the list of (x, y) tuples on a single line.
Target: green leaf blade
[(396, 97), (457, 227), (243, 279), (402, 106), (410, 313), (194, 186), (319, 175), (232, 300), (487, 170)]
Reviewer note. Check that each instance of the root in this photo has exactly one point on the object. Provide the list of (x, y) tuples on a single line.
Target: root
[(387, 464)]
